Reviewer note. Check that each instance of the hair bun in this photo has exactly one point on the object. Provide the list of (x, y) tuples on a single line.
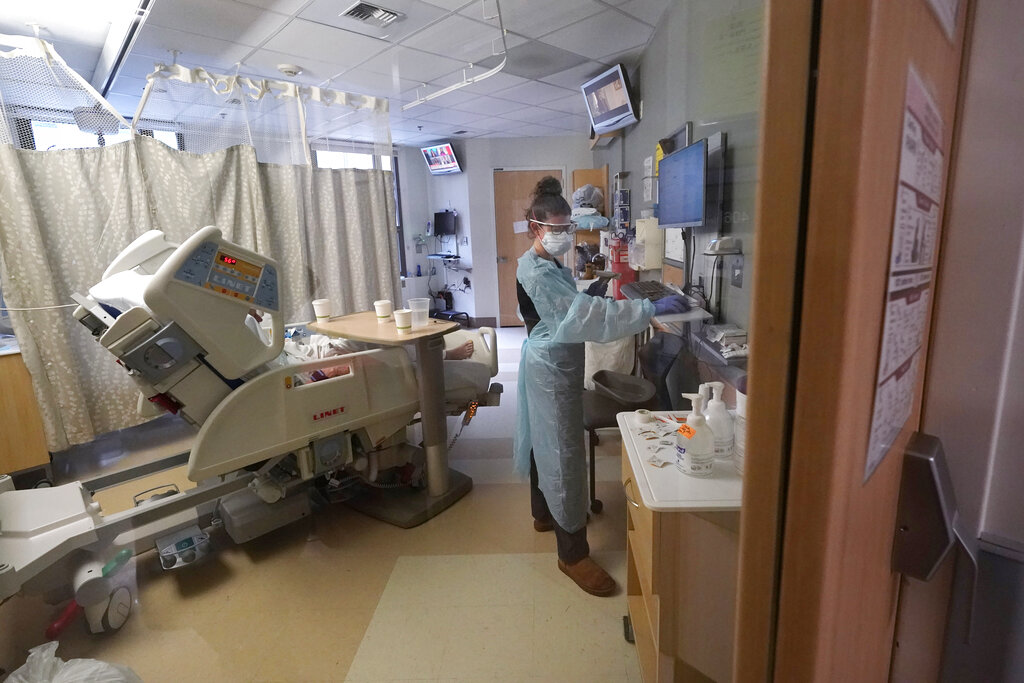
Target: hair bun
[(548, 185)]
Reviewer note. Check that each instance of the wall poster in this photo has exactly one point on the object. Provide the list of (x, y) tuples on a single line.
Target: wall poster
[(911, 268)]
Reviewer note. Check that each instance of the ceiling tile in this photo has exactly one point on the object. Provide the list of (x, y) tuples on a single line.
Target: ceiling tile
[(617, 33), (417, 15), (232, 21), (495, 123), (533, 92), (450, 116), (396, 110), (452, 5), (535, 130), (157, 42), (629, 58), (491, 106), (463, 39), (309, 40), (411, 64), (534, 18), (534, 115), (369, 83), (534, 59), (137, 66), (124, 104), (573, 104), (649, 11), (126, 85), (575, 77), (263, 63), (288, 7)]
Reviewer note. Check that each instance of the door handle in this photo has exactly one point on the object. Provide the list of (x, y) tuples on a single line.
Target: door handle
[(928, 522), (503, 259)]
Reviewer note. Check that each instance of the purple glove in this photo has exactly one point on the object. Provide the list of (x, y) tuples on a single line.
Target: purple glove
[(597, 288), (671, 304)]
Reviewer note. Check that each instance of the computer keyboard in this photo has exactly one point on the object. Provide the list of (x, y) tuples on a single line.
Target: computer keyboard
[(647, 289)]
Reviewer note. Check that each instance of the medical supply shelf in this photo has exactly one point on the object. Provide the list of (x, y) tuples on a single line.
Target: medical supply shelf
[(682, 547)]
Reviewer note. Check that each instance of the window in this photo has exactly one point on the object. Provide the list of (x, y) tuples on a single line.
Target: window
[(332, 159), (168, 137), (50, 135)]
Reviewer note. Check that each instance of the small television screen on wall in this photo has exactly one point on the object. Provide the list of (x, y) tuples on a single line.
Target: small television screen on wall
[(441, 159)]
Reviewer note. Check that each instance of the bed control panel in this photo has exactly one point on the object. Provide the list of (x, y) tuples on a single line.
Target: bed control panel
[(220, 271)]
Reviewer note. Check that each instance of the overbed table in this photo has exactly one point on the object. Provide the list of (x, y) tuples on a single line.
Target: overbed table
[(444, 486)]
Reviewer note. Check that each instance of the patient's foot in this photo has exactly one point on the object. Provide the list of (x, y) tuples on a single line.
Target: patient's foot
[(461, 352)]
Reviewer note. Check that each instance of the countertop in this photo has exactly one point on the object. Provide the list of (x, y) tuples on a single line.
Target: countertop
[(666, 489)]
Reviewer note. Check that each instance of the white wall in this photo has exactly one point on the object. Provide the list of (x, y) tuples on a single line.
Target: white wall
[(687, 73), (471, 193)]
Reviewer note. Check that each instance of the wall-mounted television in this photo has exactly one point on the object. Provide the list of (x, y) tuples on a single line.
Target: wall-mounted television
[(441, 159), (444, 223), (608, 100), (681, 187)]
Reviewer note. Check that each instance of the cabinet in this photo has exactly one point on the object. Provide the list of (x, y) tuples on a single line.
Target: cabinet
[(681, 571), (22, 441)]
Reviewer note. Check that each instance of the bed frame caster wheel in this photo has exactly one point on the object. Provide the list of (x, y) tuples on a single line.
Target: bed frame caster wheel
[(596, 506)]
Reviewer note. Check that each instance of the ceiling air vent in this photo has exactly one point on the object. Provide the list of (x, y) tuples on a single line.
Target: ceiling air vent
[(371, 14)]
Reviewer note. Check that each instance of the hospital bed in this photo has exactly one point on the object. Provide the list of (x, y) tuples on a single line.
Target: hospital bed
[(179, 319)]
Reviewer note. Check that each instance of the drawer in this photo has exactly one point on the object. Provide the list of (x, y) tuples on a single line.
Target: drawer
[(639, 518)]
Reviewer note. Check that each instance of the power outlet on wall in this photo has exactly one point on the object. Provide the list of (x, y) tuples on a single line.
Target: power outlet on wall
[(465, 241), (736, 271)]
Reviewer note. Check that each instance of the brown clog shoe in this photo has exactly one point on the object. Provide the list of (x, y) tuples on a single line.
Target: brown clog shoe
[(546, 525), (589, 576)]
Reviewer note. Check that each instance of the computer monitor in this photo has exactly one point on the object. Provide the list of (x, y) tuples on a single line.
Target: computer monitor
[(682, 187), (444, 223)]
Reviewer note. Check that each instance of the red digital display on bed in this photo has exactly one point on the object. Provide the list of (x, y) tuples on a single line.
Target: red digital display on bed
[(229, 260)]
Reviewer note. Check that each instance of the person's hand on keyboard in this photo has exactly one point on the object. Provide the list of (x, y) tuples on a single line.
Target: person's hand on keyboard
[(597, 288), (671, 304)]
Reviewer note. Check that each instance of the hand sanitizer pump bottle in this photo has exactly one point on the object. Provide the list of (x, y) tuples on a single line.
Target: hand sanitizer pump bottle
[(705, 396), (695, 443), (720, 422)]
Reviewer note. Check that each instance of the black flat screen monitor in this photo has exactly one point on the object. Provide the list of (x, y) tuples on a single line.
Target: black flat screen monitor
[(681, 187), (444, 223), (441, 159), (608, 101)]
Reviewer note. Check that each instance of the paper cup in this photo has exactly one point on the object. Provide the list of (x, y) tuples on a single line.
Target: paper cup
[(322, 309), (384, 310), (420, 312), (403, 321)]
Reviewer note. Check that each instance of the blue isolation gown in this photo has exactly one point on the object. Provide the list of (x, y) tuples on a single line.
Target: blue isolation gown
[(550, 415)]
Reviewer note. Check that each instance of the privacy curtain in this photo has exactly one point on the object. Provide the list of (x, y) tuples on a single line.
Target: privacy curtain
[(65, 214)]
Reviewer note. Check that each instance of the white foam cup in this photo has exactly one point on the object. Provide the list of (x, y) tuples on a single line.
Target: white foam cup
[(322, 309), (420, 312), (384, 310), (403, 321)]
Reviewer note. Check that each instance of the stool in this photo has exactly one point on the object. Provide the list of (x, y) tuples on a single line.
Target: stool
[(455, 316)]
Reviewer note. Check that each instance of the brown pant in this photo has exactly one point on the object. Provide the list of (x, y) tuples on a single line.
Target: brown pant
[(572, 547)]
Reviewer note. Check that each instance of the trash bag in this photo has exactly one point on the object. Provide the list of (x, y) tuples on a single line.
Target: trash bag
[(44, 666)]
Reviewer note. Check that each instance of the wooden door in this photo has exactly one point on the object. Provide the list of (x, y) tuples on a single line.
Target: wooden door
[(837, 592), (512, 190)]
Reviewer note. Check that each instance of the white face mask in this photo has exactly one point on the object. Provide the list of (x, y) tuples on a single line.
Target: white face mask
[(556, 245)]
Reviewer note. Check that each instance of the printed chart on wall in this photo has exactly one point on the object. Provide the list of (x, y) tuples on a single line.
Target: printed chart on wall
[(911, 267)]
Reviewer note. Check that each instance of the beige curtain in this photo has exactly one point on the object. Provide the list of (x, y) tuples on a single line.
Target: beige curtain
[(65, 214)]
